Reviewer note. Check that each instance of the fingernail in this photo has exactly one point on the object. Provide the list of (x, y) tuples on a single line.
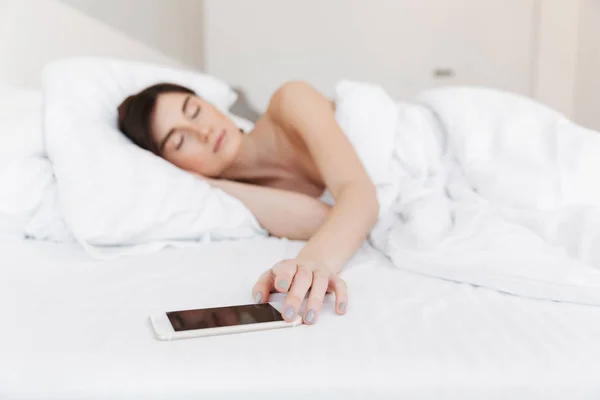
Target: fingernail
[(283, 284), (289, 312), (258, 297), (343, 307), (310, 316)]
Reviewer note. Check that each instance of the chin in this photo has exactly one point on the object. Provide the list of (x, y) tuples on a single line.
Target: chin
[(230, 152)]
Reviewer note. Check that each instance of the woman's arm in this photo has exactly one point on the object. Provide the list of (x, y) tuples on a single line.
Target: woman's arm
[(304, 110), (282, 213), (309, 113)]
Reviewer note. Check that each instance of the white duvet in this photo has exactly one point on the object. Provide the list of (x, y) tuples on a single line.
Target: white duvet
[(482, 187)]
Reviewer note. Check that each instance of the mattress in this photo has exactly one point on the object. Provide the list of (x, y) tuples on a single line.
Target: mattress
[(77, 328)]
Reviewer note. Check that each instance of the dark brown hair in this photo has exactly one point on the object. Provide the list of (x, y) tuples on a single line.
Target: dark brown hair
[(135, 114)]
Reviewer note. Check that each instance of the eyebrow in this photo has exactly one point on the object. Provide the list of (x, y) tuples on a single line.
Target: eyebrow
[(172, 131)]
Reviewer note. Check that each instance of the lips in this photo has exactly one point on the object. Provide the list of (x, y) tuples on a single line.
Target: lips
[(219, 141)]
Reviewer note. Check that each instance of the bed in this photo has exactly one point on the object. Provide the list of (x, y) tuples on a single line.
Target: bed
[(77, 328)]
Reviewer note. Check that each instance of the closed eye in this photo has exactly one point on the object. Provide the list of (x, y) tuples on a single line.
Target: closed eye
[(180, 142), (196, 112), (187, 109)]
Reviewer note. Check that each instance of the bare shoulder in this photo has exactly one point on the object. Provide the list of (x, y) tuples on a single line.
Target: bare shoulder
[(298, 99), (293, 90)]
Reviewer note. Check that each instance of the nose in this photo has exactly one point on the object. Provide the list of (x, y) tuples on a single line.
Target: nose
[(205, 132)]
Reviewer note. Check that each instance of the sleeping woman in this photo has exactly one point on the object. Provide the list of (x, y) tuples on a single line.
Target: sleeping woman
[(295, 153)]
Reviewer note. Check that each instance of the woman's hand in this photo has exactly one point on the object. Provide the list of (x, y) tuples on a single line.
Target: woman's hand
[(296, 277)]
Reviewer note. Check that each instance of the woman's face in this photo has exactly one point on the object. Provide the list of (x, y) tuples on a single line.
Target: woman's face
[(193, 135)]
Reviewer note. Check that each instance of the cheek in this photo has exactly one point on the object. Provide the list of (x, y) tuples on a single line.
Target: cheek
[(200, 161), (190, 158)]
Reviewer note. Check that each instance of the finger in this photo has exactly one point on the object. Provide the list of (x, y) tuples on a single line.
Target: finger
[(316, 296), (300, 285), (283, 273), (263, 287), (341, 294)]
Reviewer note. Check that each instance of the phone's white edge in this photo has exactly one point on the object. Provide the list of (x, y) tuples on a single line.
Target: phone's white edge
[(164, 330)]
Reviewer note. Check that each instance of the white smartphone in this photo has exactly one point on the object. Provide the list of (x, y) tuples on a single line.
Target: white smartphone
[(219, 321)]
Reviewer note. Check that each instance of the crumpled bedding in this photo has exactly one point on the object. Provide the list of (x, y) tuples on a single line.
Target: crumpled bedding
[(481, 186)]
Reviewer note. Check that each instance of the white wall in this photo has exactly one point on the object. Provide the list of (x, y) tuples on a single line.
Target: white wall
[(548, 49), (568, 61), (397, 43), (34, 32), (556, 56), (587, 85), (174, 27)]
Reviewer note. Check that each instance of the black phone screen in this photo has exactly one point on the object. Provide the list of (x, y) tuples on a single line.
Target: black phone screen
[(223, 316)]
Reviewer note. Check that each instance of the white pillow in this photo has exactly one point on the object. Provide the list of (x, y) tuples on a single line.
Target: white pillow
[(20, 124), (117, 198), (26, 178), (21, 139)]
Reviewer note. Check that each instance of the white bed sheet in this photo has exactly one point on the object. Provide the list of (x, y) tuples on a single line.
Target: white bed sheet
[(76, 328)]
